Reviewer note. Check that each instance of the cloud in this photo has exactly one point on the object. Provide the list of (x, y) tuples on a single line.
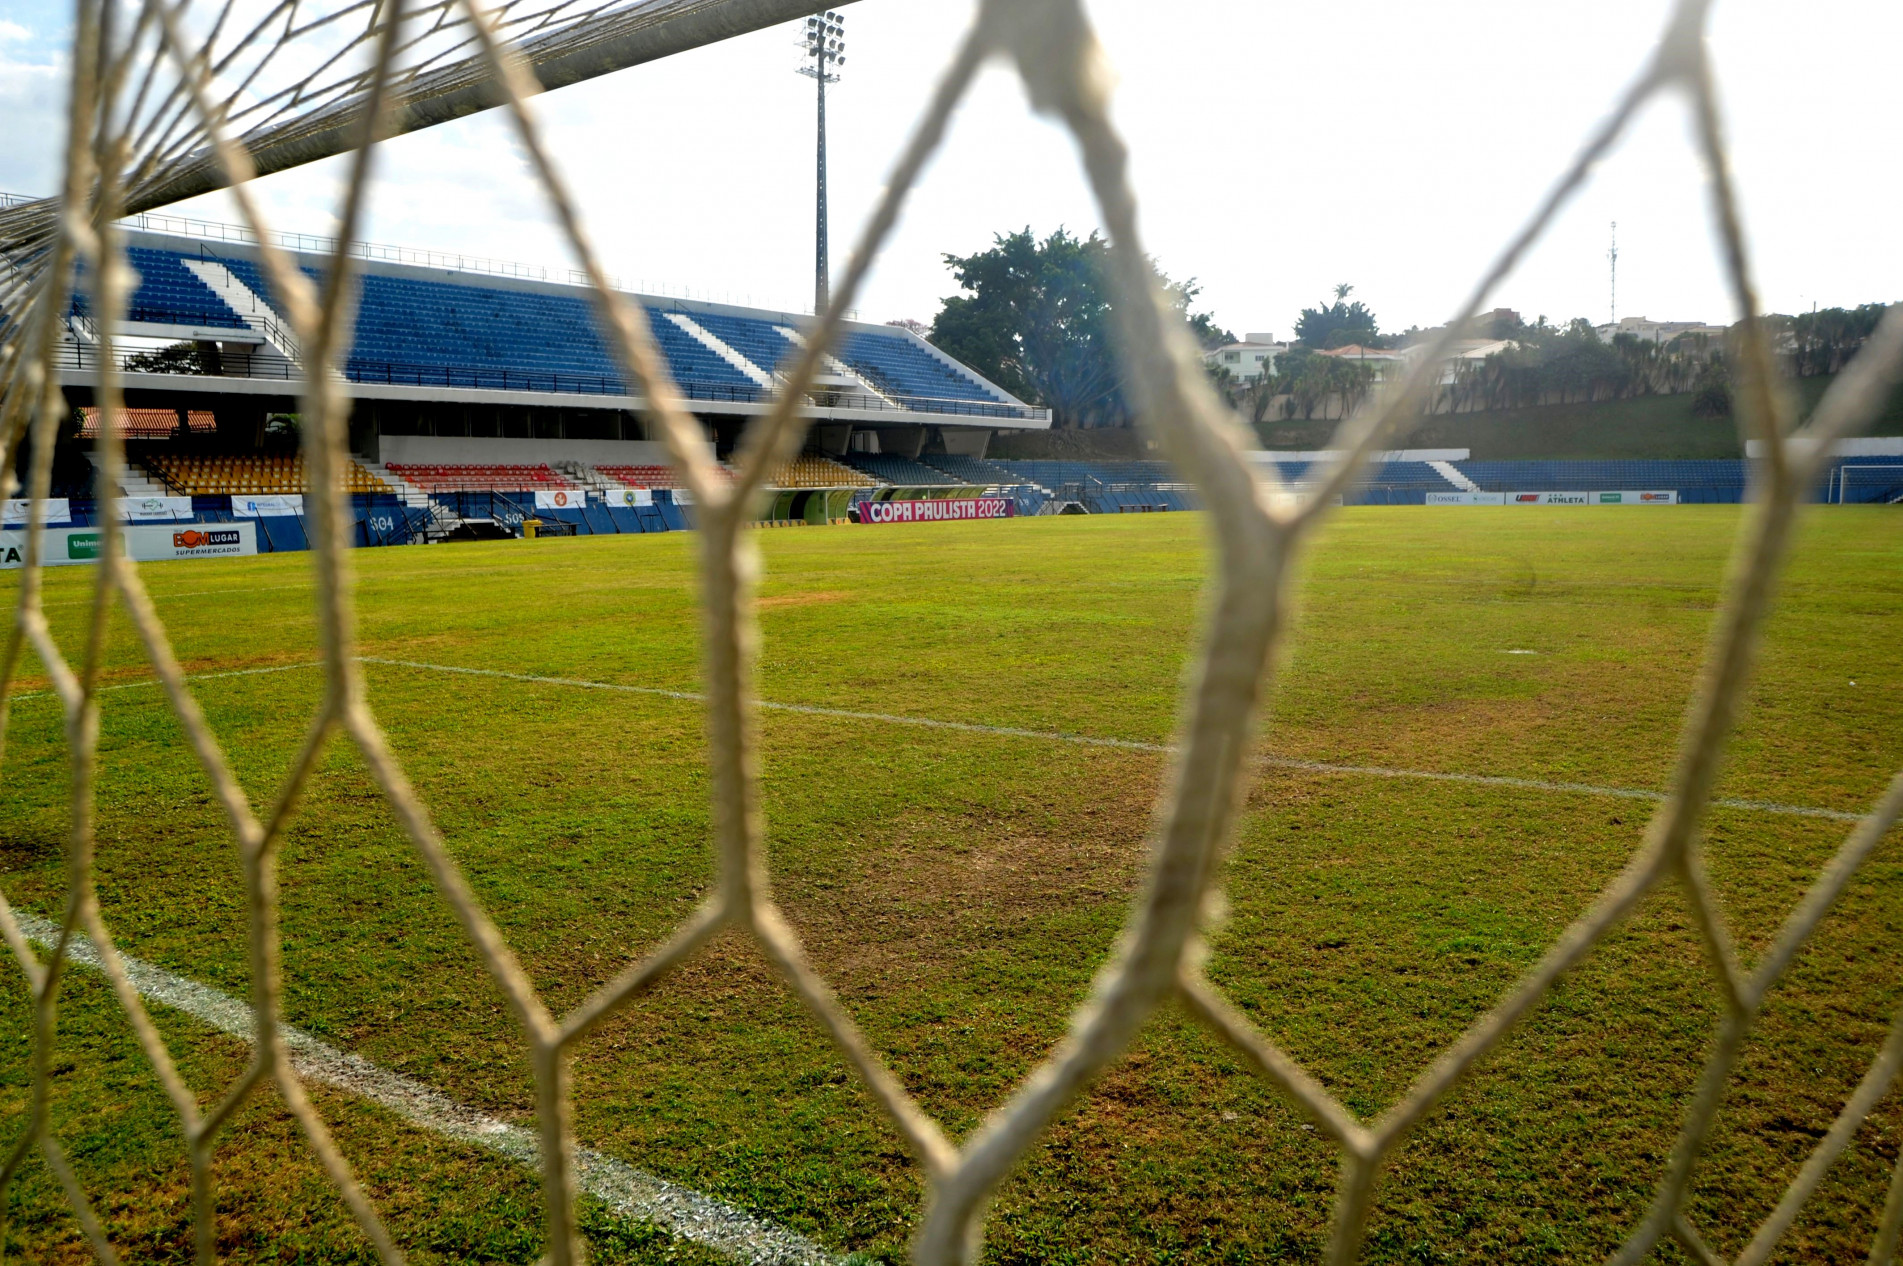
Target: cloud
[(13, 31)]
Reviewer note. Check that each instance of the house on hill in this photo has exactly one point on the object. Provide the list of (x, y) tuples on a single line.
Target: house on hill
[(1248, 360)]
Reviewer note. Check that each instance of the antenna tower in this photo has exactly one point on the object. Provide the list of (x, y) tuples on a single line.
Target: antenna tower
[(1612, 260)]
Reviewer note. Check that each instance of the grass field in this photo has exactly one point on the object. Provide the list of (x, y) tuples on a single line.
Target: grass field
[(959, 888)]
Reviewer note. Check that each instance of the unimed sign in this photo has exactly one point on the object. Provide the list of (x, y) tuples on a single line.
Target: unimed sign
[(937, 511)]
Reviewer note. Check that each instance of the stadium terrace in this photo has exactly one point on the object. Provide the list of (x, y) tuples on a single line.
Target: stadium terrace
[(484, 396)]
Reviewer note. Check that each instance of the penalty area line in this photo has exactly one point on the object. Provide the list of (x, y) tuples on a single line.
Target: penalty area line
[(632, 1193), (1133, 745)]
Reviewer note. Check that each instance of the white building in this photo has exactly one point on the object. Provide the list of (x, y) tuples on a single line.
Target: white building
[(1660, 332), (1248, 360)]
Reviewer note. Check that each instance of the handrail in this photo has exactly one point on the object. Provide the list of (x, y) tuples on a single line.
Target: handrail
[(487, 378)]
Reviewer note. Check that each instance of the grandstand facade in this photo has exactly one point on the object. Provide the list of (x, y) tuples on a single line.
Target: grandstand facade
[(484, 396)]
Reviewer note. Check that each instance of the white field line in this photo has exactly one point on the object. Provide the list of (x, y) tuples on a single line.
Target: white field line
[(1056, 736), (1132, 745), (630, 1192), (152, 681)]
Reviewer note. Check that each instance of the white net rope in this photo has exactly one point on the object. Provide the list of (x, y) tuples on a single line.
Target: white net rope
[(288, 80), (1256, 535)]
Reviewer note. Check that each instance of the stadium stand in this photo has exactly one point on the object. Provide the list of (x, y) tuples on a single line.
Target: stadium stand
[(1052, 474), (1864, 480), (168, 294), (755, 339), (430, 332), (902, 471), (811, 471), (479, 331), (646, 476), (901, 368), (436, 479), (248, 473), (975, 470), (1712, 480)]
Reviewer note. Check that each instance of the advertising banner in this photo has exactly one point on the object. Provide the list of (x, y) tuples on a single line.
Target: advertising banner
[(1592, 498), (58, 510), (683, 496), (629, 497), (1635, 498), (268, 507), (145, 544), (196, 540), (1466, 498), (939, 511), (561, 499), (135, 508)]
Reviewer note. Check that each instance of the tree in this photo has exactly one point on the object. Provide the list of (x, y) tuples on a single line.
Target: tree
[(1338, 324), (173, 358), (1035, 318)]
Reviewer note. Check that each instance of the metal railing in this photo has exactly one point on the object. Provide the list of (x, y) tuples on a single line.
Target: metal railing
[(80, 356)]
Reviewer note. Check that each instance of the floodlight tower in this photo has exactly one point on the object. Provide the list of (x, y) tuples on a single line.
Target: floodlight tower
[(826, 45)]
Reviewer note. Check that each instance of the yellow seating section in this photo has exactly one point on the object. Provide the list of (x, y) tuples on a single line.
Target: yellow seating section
[(252, 474), (810, 471)]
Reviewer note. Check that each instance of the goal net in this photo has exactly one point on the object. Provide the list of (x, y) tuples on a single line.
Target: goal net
[(170, 99)]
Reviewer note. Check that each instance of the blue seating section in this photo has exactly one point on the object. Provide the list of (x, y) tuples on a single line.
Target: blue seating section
[(491, 335), (756, 340), (169, 294), (1054, 474), (1715, 480), (900, 470), (974, 470), (901, 368), (434, 332), (1864, 480)]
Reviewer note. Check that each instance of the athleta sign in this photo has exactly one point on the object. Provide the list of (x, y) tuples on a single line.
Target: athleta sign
[(937, 511)]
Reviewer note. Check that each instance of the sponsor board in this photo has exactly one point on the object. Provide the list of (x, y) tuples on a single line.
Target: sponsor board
[(629, 497), (206, 540), (561, 499), (1607, 498), (938, 511), (65, 546), (136, 508), (58, 510), (1631, 498), (683, 496), (268, 507), (1466, 498)]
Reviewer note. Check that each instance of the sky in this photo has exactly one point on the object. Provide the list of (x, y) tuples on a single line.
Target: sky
[(1278, 150)]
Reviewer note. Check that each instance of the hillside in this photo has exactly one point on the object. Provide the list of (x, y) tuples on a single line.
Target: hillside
[(1650, 427)]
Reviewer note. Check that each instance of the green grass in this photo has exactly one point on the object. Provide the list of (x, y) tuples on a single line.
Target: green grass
[(959, 889)]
